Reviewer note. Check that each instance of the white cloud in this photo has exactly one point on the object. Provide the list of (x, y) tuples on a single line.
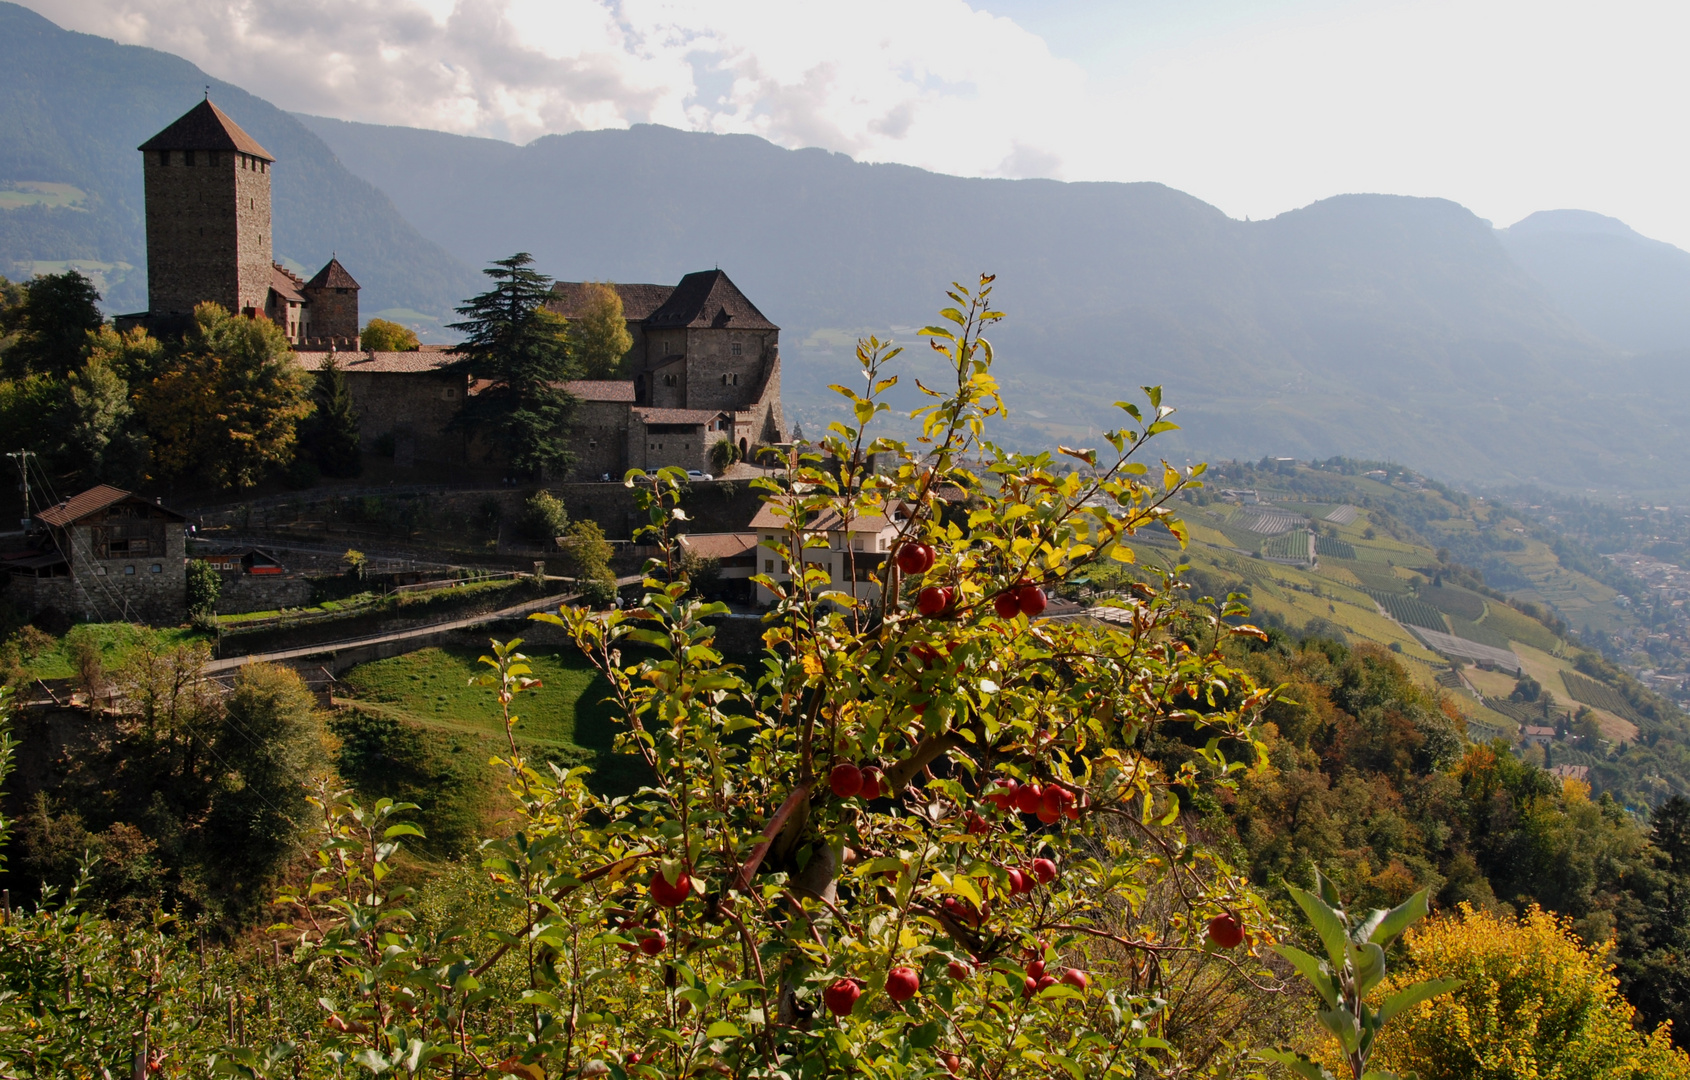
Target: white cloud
[(1507, 106), (929, 82)]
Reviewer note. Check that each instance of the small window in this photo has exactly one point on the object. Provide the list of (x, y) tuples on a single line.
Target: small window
[(163, 158), (99, 571), (449, 392), (736, 348), (768, 566), (156, 568), (127, 570), (187, 157)]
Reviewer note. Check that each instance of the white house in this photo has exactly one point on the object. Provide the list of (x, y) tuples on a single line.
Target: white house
[(855, 552)]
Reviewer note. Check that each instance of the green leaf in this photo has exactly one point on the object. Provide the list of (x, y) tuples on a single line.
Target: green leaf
[(1369, 967), (1309, 967), (721, 1029), (1411, 996), (1297, 1063), (1400, 918), (1326, 923), (401, 830), (1342, 1023)]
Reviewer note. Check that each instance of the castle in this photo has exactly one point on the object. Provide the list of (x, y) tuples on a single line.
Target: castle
[(704, 366)]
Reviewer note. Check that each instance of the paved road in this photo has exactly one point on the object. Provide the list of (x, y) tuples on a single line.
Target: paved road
[(545, 603)]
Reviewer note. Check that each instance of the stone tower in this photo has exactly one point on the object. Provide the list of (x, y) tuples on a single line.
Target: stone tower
[(208, 216), (331, 304)]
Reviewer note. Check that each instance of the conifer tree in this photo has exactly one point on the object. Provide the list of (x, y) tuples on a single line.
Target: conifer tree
[(523, 351), (333, 437)]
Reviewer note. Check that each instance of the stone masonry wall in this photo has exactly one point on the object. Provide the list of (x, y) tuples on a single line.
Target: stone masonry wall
[(244, 592), (415, 408), (601, 439), (718, 379), (208, 230), (333, 313), (144, 588)]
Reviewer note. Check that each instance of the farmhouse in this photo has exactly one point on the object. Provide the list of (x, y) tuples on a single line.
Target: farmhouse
[(851, 554), (105, 555)]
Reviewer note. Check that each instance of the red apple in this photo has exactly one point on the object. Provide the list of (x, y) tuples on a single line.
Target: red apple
[(1032, 600), (926, 653), (952, 1063), (1029, 987), (1044, 870), (977, 825), (1047, 815), (1046, 982), (842, 996), (654, 943), (845, 780), (664, 894), (1003, 796), (915, 558), (1225, 931), (1036, 969), (1017, 882), (902, 983), (933, 600), (1007, 604), (958, 970), (871, 788), (1076, 978), (1028, 797)]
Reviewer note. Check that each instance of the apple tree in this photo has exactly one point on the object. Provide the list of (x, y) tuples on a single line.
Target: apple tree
[(918, 835)]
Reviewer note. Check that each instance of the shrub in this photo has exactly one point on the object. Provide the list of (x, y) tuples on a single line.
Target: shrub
[(1534, 1001), (722, 455), (544, 518), (589, 559), (205, 587)]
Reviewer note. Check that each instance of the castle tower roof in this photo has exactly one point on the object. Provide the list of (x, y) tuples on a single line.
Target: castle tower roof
[(708, 298), (206, 127), (332, 276)]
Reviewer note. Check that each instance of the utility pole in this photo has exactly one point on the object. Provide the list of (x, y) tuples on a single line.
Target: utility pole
[(22, 457)]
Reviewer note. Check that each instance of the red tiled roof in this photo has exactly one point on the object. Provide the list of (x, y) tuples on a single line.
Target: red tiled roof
[(616, 390), (416, 361), (285, 284), (80, 506), (569, 298), (206, 127), (767, 517), (332, 276), (677, 416), (718, 545)]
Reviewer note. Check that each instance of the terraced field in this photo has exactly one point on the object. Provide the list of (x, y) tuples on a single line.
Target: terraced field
[(1337, 549), (1454, 600), (1598, 695), (1411, 611)]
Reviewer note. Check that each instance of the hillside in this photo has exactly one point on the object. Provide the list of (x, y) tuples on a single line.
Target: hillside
[(73, 107), (1619, 285), (1469, 593), (1367, 325)]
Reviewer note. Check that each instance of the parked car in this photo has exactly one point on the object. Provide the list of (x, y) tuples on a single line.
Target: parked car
[(694, 474)]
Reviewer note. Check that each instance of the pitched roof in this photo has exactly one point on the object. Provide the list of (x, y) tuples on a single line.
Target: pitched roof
[(416, 361), (80, 506), (768, 516), (718, 545), (332, 276), (618, 390), (285, 283), (206, 127), (708, 298), (569, 299)]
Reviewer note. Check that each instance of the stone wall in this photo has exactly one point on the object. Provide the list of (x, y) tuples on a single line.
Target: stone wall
[(149, 587), (208, 230), (243, 592), (719, 378), (601, 440), (415, 408), (332, 314)]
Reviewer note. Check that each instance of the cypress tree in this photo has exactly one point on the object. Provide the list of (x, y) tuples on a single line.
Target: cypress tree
[(334, 435)]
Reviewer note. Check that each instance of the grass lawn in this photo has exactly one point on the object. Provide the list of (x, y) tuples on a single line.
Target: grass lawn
[(566, 718), (115, 641)]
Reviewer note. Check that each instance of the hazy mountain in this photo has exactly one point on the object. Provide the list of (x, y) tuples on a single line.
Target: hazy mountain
[(1620, 285), (73, 107), (1365, 325)]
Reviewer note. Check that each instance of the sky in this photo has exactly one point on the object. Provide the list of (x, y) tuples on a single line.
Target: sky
[(1505, 106)]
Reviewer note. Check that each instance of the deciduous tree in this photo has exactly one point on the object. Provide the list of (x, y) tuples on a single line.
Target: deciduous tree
[(381, 335), (599, 333), (58, 312)]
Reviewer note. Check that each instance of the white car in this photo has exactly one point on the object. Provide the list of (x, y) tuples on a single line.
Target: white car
[(694, 474)]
